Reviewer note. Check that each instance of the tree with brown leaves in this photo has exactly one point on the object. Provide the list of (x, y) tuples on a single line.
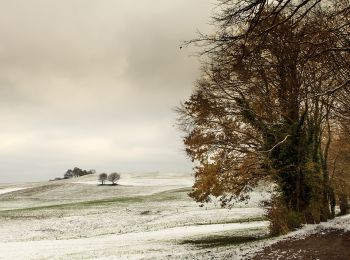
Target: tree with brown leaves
[(275, 76)]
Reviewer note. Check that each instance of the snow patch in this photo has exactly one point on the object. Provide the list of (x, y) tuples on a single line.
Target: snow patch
[(8, 190)]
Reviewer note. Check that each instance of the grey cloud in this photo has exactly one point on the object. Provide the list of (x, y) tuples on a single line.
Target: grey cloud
[(92, 83)]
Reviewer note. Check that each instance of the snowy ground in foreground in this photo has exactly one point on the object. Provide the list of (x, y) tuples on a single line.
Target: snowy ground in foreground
[(248, 251), (134, 245), (148, 216)]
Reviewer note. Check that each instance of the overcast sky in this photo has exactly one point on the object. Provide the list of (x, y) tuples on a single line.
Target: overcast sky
[(92, 83)]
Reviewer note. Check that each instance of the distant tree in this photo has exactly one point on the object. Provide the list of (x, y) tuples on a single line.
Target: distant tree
[(102, 178), (77, 172), (68, 174), (114, 177)]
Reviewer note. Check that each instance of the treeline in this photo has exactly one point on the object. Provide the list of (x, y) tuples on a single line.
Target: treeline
[(113, 177), (77, 172), (74, 173)]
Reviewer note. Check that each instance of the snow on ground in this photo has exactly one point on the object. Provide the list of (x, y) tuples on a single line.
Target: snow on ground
[(144, 180), (248, 251), (132, 245), (8, 190), (149, 216)]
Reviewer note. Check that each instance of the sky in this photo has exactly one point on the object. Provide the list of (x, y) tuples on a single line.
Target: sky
[(93, 84)]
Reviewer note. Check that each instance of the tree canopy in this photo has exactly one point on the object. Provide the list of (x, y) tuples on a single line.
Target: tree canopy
[(114, 177), (274, 88), (77, 172)]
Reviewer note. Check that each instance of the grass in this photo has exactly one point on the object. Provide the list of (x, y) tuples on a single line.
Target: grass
[(158, 197), (241, 220), (220, 241), (28, 192)]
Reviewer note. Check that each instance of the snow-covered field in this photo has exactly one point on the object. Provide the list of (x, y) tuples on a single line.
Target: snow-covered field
[(8, 190), (147, 216)]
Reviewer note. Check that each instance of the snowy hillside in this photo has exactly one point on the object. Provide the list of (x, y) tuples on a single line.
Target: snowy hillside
[(147, 216)]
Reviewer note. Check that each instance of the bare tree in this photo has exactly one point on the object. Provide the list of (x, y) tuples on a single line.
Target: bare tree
[(114, 177), (232, 14), (102, 178)]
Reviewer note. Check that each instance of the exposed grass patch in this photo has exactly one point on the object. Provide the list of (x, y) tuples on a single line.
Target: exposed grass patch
[(233, 221), (220, 241), (30, 191), (157, 197)]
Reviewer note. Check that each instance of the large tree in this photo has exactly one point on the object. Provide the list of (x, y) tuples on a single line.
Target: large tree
[(339, 166), (264, 107)]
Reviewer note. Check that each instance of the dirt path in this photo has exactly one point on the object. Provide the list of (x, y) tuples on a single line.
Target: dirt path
[(327, 245)]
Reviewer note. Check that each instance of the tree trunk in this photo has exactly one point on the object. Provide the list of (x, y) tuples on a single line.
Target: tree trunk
[(332, 202), (343, 203)]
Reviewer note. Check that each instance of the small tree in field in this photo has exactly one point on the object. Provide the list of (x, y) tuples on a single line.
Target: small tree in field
[(114, 177), (102, 178)]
